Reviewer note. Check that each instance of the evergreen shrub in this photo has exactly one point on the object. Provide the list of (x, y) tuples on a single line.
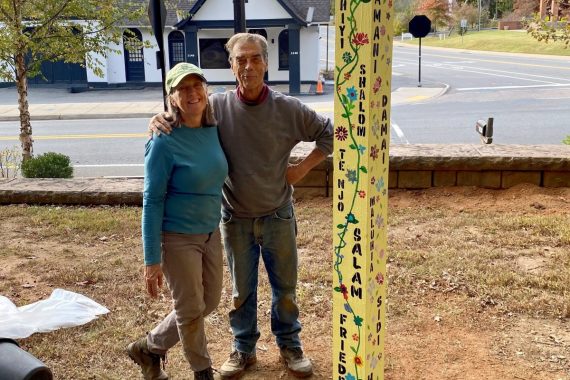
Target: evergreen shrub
[(48, 165)]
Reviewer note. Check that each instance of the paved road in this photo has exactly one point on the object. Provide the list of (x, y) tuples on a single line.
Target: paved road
[(107, 147), (527, 96)]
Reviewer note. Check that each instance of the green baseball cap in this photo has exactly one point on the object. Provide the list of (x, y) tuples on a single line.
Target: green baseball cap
[(179, 72)]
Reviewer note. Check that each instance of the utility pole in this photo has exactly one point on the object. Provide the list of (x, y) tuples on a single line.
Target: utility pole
[(479, 22)]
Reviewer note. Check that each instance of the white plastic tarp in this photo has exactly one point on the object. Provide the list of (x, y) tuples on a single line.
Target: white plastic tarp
[(62, 309)]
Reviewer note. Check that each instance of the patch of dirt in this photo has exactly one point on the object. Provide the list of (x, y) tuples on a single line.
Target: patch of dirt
[(521, 198), (443, 335), (531, 264)]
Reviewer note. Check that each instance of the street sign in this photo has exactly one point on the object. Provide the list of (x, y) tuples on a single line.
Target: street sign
[(419, 26), (463, 28)]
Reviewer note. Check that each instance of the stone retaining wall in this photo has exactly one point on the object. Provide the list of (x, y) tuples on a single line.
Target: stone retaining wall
[(411, 167), (490, 166)]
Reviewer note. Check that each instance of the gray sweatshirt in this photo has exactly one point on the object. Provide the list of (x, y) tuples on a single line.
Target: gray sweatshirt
[(257, 141)]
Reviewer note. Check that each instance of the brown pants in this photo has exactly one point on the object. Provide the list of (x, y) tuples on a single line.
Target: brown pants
[(192, 266)]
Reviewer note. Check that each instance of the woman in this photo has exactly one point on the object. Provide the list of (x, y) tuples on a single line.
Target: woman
[(184, 173)]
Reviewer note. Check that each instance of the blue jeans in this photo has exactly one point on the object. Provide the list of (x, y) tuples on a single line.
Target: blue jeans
[(273, 238)]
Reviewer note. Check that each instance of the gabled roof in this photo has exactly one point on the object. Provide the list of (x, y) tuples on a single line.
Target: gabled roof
[(183, 7), (321, 13), (296, 8)]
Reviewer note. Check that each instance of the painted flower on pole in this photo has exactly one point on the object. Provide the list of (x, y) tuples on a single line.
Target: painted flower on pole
[(360, 39)]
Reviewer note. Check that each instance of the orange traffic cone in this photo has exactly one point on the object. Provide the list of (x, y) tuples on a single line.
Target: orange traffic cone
[(319, 86)]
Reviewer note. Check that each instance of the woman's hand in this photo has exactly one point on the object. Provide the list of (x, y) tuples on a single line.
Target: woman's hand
[(153, 279), (160, 123)]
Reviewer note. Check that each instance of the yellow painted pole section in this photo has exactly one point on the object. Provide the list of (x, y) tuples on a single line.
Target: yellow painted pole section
[(363, 73)]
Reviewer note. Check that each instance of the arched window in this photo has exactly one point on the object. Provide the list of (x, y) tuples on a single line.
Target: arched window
[(284, 50), (176, 48), (134, 57)]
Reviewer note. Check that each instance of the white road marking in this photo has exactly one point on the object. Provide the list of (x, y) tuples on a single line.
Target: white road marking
[(513, 87), (498, 73), (110, 166), (399, 132), (494, 60)]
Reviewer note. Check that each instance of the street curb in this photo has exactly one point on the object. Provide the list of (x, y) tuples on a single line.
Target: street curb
[(400, 97), (442, 92)]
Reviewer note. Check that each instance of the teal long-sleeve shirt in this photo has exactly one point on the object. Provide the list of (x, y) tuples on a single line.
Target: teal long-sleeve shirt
[(184, 174)]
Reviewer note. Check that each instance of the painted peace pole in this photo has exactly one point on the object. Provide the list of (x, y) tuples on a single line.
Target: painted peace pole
[(363, 72)]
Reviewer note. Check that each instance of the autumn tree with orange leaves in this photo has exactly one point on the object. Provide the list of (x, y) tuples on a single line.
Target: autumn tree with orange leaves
[(554, 28), (437, 11)]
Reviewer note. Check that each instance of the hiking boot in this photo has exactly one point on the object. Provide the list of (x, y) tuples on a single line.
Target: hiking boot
[(148, 361), (237, 363), (297, 363), (206, 374)]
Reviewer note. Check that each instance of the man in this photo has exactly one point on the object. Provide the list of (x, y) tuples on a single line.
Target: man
[(258, 129)]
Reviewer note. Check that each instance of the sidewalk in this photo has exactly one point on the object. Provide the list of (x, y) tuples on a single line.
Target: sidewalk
[(59, 104)]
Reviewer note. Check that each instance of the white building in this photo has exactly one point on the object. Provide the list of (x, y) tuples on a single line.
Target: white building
[(197, 32)]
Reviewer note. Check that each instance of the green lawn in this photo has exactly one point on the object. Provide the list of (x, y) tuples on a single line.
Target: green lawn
[(511, 41)]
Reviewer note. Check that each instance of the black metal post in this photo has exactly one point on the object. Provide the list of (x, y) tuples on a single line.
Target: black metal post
[(420, 65), (239, 16), (162, 66)]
